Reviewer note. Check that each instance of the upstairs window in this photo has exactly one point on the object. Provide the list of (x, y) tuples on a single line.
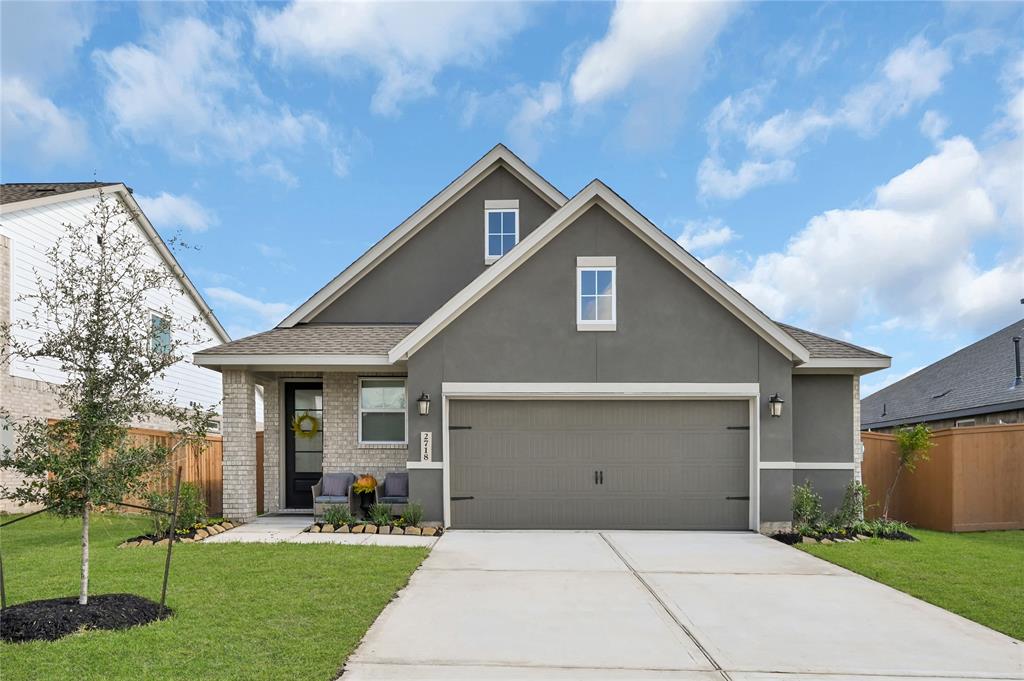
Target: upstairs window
[(595, 294), (501, 228), (160, 335)]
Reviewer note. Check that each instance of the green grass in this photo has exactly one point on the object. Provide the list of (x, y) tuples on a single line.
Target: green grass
[(242, 611), (979, 575)]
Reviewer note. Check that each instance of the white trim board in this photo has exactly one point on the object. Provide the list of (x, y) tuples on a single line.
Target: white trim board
[(807, 465), (596, 391), (499, 156), (212, 359), (857, 366), (597, 193)]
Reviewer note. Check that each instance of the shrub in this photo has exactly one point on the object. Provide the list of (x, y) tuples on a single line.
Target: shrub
[(380, 514), (191, 508), (807, 512), (851, 510), (413, 515), (337, 515)]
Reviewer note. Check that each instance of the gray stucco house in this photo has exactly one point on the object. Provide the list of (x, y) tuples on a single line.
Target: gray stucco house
[(577, 367), (979, 385)]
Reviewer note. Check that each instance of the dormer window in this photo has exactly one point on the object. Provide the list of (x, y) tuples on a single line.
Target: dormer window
[(501, 228)]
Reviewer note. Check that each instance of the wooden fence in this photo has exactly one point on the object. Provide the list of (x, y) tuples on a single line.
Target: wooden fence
[(973, 480), (201, 466)]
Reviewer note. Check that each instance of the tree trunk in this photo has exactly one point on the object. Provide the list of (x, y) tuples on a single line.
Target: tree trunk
[(83, 594), (889, 492)]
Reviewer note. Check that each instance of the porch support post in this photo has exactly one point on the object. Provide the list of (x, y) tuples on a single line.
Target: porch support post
[(272, 411), (239, 426)]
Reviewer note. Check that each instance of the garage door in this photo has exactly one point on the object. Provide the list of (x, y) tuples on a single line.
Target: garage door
[(599, 464)]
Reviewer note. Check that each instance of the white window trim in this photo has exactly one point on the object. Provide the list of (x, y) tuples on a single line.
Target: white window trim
[(405, 412), (965, 423), (591, 324), (498, 206)]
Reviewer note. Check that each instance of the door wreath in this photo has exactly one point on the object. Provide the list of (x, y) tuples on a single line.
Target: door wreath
[(305, 426)]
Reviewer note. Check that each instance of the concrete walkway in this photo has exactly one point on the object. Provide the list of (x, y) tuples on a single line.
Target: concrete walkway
[(289, 528), (662, 605)]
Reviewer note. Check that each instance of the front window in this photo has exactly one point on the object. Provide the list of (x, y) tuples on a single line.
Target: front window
[(595, 299), (382, 411), (160, 335), (502, 232)]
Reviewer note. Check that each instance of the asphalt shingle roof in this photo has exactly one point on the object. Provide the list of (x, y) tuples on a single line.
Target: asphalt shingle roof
[(821, 347), (12, 192), (976, 377), (318, 339)]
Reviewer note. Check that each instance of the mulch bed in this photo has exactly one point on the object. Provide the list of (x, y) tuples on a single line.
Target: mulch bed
[(193, 535), (796, 537), (54, 618)]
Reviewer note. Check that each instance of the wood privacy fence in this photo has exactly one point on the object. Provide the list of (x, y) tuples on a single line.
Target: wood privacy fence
[(973, 480)]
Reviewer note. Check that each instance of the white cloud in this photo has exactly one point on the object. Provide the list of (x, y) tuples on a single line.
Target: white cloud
[(268, 251), (38, 40), (717, 181), (645, 40), (700, 235), (266, 312), (36, 128), (533, 119), (907, 258), (188, 90), (171, 211), (933, 125), (909, 75), (406, 44)]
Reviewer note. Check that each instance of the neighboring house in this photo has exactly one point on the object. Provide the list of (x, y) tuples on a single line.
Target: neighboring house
[(979, 385), (31, 220), (579, 369)]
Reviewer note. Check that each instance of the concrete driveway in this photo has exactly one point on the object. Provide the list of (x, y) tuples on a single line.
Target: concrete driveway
[(662, 605)]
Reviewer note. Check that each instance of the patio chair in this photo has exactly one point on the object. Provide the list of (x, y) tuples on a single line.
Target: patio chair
[(394, 491), (332, 488)]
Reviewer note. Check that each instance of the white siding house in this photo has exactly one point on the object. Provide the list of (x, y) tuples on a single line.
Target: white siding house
[(31, 221)]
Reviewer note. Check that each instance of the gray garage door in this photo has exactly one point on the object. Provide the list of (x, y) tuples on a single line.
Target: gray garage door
[(597, 464)]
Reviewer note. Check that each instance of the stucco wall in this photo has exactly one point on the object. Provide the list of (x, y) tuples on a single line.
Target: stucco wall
[(438, 262), (823, 418)]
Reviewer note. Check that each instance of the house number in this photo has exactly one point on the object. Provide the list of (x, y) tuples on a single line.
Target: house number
[(426, 448)]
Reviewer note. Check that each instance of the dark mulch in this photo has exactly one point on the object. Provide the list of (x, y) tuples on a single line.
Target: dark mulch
[(51, 619), (796, 537), (788, 537)]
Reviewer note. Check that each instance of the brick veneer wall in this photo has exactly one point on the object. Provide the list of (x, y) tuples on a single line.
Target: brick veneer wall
[(239, 429), (342, 451)]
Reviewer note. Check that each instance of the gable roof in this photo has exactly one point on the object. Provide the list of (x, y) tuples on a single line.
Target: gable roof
[(824, 347), (324, 340), (597, 193), (22, 196), (974, 380), (499, 156)]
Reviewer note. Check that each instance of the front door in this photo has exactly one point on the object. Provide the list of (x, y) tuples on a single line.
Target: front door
[(304, 441)]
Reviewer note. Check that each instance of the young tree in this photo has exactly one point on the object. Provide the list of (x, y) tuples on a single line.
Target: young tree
[(913, 444), (96, 316)]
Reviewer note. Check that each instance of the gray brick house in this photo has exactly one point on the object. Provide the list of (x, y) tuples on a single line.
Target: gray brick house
[(538, 361)]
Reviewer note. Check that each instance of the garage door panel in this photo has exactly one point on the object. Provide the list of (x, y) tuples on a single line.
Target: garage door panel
[(665, 464)]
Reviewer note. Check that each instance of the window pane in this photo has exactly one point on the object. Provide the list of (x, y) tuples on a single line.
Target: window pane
[(494, 245), (509, 240), (161, 334), (310, 444), (508, 222), (383, 394), (309, 399), (588, 308), (494, 223), (383, 427), (604, 308), (588, 282), (308, 462), (604, 282)]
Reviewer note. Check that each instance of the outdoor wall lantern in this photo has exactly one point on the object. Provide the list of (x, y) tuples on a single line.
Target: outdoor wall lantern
[(424, 404), (775, 403)]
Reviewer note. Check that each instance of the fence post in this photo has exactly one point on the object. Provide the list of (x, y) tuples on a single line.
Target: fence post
[(170, 542)]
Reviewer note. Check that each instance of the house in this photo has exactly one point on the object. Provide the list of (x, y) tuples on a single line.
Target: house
[(536, 361), (31, 220), (976, 386)]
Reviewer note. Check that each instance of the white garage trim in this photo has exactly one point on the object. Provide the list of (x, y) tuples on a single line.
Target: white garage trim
[(807, 465), (608, 391)]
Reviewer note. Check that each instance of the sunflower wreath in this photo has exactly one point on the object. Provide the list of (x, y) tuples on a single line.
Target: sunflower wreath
[(299, 426)]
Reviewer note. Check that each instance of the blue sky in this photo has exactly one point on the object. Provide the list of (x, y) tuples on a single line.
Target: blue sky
[(853, 168)]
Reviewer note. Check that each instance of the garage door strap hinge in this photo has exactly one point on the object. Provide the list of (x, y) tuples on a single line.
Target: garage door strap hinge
[(460, 427), (737, 498), (737, 427), (461, 498)]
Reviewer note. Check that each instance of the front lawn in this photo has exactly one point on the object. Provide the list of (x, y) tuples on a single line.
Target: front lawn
[(979, 575), (242, 611)]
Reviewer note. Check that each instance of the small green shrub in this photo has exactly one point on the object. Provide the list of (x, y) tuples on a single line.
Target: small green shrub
[(413, 515), (337, 515), (807, 514), (191, 508), (851, 510), (380, 514)]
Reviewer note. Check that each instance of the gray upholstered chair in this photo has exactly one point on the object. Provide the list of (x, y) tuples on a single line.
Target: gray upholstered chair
[(394, 491), (331, 489)]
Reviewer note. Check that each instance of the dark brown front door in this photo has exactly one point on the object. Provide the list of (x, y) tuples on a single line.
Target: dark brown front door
[(304, 453)]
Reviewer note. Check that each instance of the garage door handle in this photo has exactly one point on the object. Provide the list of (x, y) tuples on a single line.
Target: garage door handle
[(462, 498), (737, 498)]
